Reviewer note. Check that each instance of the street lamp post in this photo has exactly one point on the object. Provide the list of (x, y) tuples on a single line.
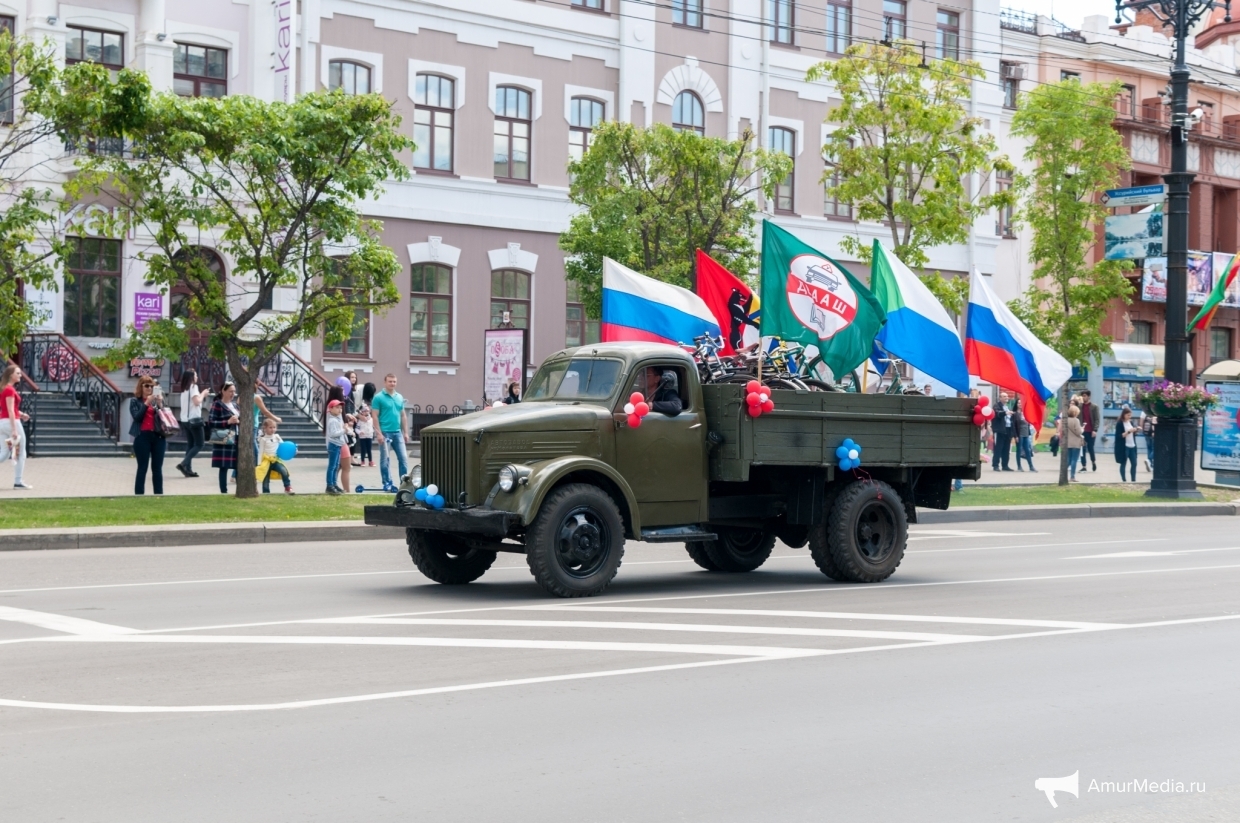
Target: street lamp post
[(1175, 439)]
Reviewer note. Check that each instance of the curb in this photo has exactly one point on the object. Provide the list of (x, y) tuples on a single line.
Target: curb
[(984, 514), (112, 537)]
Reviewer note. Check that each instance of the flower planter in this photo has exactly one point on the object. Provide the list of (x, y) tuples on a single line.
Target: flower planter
[(1162, 410)]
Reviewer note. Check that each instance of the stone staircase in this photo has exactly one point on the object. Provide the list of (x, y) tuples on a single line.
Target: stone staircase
[(298, 428), (62, 429)]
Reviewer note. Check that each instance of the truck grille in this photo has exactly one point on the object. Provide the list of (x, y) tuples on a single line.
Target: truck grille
[(443, 463)]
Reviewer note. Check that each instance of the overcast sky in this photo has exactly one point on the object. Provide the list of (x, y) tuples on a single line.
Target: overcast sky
[(1070, 12)]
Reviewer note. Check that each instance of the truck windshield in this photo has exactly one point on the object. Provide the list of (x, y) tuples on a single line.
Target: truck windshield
[(576, 379)]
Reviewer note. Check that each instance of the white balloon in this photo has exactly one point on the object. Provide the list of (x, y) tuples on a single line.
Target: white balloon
[(629, 408), (853, 454), (432, 489), (763, 396)]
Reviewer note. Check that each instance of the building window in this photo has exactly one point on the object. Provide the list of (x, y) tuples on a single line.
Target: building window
[(584, 115), (687, 113), (1220, 345), (784, 140), (198, 71), (434, 98), (1005, 218), (1069, 75), (592, 5), (180, 294), (512, 133), (895, 16), (687, 13), (94, 46), (1126, 103), (6, 83), (358, 342), (1142, 331), (430, 311), (349, 77), (839, 26), (1010, 73), (510, 292), (831, 205), (578, 330), (780, 14), (947, 35), (92, 300)]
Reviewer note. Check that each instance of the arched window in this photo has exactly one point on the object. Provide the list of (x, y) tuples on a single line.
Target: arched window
[(687, 113), (430, 311), (349, 77), (784, 140), (358, 341), (512, 133), (434, 98), (180, 294), (510, 292), (584, 114)]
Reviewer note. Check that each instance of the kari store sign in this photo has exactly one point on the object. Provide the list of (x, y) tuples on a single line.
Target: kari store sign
[(147, 306), (284, 52)]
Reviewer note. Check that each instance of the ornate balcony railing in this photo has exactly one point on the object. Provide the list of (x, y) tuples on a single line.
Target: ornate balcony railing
[(297, 381), (51, 363)]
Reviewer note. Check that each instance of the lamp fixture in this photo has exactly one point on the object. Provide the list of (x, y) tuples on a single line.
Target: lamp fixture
[(52, 19), (162, 36)]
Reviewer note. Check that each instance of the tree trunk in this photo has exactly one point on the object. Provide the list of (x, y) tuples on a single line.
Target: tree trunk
[(247, 485), (1063, 435)]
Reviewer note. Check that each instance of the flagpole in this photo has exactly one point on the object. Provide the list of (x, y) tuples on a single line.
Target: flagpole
[(760, 352)]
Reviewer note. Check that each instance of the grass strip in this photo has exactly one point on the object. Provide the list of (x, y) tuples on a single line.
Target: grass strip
[(77, 512), (1049, 495)]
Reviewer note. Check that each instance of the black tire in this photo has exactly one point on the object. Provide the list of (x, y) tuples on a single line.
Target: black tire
[(575, 544), (447, 559), (820, 542), (697, 551), (739, 550), (868, 531)]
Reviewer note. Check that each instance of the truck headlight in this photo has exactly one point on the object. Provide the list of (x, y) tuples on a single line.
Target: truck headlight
[(415, 476), (512, 476)]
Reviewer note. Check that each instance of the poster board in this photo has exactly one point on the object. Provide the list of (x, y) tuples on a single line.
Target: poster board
[(1220, 431), (505, 355), (1134, 236), (1200, 278)]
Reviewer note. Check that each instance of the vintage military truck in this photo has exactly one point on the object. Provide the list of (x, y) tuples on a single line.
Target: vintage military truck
[(564, 479)]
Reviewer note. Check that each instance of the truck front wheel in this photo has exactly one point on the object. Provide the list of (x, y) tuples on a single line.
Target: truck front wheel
[(739, 550), (867, 531), (447, 559), (575, 544)]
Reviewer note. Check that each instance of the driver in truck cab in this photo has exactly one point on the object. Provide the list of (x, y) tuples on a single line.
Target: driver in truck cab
[(663, 391)]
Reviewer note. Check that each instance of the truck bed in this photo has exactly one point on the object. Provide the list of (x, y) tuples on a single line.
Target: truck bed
[(806, 427)]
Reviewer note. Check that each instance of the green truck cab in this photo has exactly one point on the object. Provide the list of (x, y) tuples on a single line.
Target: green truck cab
[(564, 479)]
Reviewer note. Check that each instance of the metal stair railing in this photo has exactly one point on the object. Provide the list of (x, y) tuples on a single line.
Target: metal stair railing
[(292, 378), (53, 364)]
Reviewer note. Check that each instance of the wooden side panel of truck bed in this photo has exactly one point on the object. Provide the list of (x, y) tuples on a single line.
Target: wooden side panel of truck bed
[(806, 428)]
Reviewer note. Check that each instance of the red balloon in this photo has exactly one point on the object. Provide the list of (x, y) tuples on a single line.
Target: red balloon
[(753, 386), (634, 421), (641, 409), (978, 420), (754, 411), (636, 397), (768, 405), (984, 400), (752, 398)]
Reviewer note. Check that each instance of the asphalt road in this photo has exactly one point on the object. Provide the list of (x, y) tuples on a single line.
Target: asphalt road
[(331, 682)]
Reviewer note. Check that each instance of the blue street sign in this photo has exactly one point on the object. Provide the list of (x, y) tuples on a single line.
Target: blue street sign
[(1135, 196)]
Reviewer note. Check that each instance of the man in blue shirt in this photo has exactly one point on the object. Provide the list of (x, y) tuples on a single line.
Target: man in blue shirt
[(391, 423)]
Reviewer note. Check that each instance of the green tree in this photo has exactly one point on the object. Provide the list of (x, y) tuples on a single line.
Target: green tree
[(904, 150), (276, 187), (1076, 154), (650, 197)]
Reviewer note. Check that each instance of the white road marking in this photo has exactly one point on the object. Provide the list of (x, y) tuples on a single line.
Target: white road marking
[(1171, 553), (963, 533), (642, 626), (1040, 545), (60, 622), (902, 618)]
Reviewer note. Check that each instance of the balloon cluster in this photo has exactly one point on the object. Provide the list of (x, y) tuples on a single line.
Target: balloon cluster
[(430, 496), (849, 454), (758, 397), (286, 451), (982, 411), (344, 384), (636, 409)]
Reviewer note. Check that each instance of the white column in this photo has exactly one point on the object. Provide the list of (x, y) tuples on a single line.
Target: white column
[(153, 50)]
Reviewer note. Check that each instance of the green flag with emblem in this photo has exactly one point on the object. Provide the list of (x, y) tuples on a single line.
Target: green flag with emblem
[(809, 298)]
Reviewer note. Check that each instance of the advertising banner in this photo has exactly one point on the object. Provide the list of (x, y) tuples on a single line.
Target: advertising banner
[(504, 359), (1220, 433), (1200, 278), (1134, 236), (1154, 280), (147, 306)]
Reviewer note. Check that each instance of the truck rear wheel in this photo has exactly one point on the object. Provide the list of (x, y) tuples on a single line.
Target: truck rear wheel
[(867, 530), (575, 544), (820, 541), (447, 559), (739, 550), (697, 551)]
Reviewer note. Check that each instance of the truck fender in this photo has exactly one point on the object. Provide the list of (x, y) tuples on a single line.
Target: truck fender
[(525, 500)]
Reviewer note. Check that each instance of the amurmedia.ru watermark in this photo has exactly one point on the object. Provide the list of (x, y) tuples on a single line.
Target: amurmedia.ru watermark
[(1146, 786)]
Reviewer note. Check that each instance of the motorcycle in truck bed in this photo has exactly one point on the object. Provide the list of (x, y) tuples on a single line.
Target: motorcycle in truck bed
[(564, 478)]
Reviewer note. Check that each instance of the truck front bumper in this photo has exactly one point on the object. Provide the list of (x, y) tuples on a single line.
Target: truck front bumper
[(481, 522)]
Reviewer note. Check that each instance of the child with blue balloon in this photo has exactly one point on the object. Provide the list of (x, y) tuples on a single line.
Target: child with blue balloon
[(272, 454)]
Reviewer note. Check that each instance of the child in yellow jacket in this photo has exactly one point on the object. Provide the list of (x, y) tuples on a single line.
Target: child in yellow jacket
[(268, 458)]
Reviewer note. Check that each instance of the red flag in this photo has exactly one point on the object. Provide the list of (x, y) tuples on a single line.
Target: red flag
[(732, 302)]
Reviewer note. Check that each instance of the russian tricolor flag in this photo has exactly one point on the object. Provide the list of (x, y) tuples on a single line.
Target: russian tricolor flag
[(1001, 350), (636, 307)]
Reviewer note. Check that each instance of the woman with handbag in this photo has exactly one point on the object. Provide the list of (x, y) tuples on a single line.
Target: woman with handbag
[(148, 431), (191, 421), (222, 424), (1126, 445)]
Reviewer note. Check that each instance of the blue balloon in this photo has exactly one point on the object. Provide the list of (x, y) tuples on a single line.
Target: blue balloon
[(286, 450), (841, 452), (436, 500), (420, 495), (848, 441)]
